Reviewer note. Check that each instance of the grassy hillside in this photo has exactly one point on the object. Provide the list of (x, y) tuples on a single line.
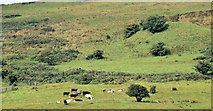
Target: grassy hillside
[(64, 34)]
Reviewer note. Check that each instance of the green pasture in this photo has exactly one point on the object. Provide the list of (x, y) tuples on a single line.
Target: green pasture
[(170, 63), (195, 95)]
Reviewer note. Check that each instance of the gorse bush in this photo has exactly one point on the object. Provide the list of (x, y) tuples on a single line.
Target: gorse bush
[(154, 24), (159, 49), (203, 67), (98, 54), (56, 56), (131, 29)]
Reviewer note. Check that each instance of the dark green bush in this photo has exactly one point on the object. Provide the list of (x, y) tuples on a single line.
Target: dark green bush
[(201, 58), (12, 78), (138, 91), (159, 49), (154, 24), (130, 29), (98, 54), (203, 67), (153, 89), (84, 79), (6, 71)]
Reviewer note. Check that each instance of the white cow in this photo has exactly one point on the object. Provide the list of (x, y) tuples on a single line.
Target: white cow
[(89, 96), (121, 90), (111, 91), (69, 100)]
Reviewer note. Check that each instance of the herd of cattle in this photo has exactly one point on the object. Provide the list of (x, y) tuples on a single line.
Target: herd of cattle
[(87, 94)]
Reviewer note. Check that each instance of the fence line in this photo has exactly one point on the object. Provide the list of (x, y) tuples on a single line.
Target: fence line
[(5, 89)]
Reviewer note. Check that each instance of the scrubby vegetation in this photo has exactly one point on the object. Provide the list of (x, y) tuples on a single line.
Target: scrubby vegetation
[(154, 24), (153, 89), (131, 29), (203, 67), (54, 56), (159, 49), (98, 54)]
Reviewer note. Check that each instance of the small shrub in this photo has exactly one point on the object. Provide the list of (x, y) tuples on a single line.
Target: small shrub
[(130, 30), (108, 37), (47, 29), (159, 49), (98, 54), (154, 24), (203, 67), (153, 89), (174, 89)]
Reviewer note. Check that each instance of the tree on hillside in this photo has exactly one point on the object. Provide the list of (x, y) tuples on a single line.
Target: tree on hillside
[(203, 67), (154, 23), (138, 91)]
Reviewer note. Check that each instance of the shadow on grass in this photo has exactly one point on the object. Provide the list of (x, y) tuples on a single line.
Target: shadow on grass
[(147, 101)]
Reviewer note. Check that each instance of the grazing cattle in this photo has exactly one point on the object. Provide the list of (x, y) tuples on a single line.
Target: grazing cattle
[(121, 90), (111, 91), (79, 92), (69, 100), (78, 100), (88, 96), (66, 93), (73, 95), (104, 90), (34, 87), (86, 92), (174, 89), (73, 90), (65, 102)]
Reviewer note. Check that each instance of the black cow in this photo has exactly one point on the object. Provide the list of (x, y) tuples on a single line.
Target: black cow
[(78, 100), (86, 92), (66, 93), (73, 95), (73, 90), (65, 102)]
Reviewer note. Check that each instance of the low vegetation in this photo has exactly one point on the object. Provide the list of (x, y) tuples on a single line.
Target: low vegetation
[(203, 67), (159, 49), (98, 54), (130, 29)]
